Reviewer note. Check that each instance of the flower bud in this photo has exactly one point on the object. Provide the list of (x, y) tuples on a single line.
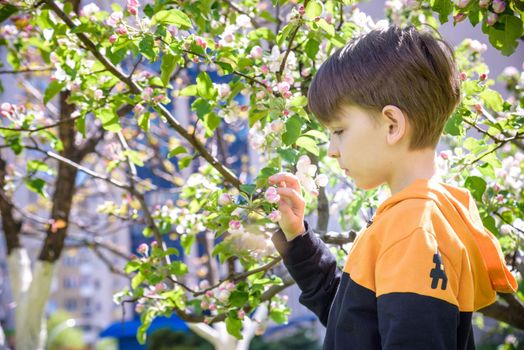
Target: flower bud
[(498, 6)]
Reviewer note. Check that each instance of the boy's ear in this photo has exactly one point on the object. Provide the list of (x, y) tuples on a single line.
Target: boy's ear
[(396, 124)]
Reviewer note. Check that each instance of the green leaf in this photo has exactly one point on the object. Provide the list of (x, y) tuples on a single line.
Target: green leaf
[(110, 120), (6, 11), (492, 99), (137, 280), (506, 40), (238, 298), (205, 86), (443, 7), (52, 89), (172, 16), (201, 107), (37, 165), (178, 150), (278, 315), (132, 266), (454, 125), (234, 326), (293, 126), (476, 185), (318, 135), (184, 162), (167, 67), (190, 90), (146, 47), (312, 47), (143, 121), (178, 268), (308, 144), (314, 9), (212, 121), (36, 185), (249, 189), (80, 124)]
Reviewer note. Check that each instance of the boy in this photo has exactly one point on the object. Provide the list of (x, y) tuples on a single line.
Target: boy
[(414, 276)]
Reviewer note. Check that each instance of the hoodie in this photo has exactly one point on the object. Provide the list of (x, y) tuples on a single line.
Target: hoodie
[(412, 278)]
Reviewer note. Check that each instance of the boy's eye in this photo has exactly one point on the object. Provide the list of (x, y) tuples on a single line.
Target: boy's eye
[(338, 132)]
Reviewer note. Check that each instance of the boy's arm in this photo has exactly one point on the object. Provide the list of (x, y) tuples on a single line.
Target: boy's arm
[(313, 267), (416, 306)]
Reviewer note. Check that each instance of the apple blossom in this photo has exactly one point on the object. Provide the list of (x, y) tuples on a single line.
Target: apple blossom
[(147, 93), (492, 18), (264, 69), (498, 6), (257, 52), (277, 125), (204, 305), (121, 30), (132, 6), (301, 10), (210, 294), (89, 9), (223, 90), (138, 109), (212, 307), (159, 287), (139, 308), (143, 249), (224, 199), (483, 77), (112, 38), (99, 94), (235, 226), (272, 195), (321, 180), (461, 3), (459, 17), (484, 3), (115, 18), (243, 21), (241, 314), (201, 42), (463, 76)]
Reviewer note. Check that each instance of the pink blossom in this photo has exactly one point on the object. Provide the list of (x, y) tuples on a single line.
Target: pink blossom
[(321, 180), (204, 305), (201, 42), (301, 10), (329, 18), (264, 69), (212, 306), (499, 6), (154, 244), (147, 93), (459, 17), (115, 18), (483, 76), (478, 108), (235, 224), (463, 76), (283, 87), (305, 72), (112, 38), (160, 287), (275, 216), (132, 6), (491, 18), (139, 308), (484, 3), (7, 107), (224, 199), (210, 294), (257, 52), (158, 98), (287, 94), (285, 112), (272, 195), (241, 314), (138, 109), (462, 3), (277, 125), (289, 79), (499, 198), (444, 155), (143, 249), (121, 30), (99, 94)]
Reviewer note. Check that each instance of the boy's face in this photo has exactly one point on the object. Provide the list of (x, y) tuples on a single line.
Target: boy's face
[(359, 143)]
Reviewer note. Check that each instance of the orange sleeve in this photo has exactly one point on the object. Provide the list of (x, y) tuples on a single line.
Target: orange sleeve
[(416, 264)]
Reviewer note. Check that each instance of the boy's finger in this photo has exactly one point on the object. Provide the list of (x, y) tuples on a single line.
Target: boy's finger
[(289, 193), (289, 179)]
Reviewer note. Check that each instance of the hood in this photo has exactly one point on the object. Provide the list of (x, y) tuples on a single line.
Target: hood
[(460, 211)]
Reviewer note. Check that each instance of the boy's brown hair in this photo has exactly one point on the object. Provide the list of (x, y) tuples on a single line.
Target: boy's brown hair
[(412, 70)]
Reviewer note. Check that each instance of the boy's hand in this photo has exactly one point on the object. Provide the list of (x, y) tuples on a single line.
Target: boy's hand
[(291, 204)]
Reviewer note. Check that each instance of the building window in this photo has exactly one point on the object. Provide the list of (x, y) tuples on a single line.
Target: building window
[(71, 304)]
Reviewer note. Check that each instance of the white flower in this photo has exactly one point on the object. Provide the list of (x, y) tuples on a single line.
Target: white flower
[(89, 9), (243, 21), (223, 90)]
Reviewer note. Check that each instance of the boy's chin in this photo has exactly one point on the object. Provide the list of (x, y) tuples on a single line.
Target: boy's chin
[(365, 185)]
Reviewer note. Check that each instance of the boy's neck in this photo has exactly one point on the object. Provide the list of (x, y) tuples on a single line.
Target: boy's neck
[(413, 165)]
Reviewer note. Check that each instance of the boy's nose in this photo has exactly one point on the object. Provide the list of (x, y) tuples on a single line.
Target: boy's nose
[(333, 151)]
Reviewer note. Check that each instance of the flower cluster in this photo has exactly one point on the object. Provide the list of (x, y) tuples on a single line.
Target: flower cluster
[(306, 176)]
